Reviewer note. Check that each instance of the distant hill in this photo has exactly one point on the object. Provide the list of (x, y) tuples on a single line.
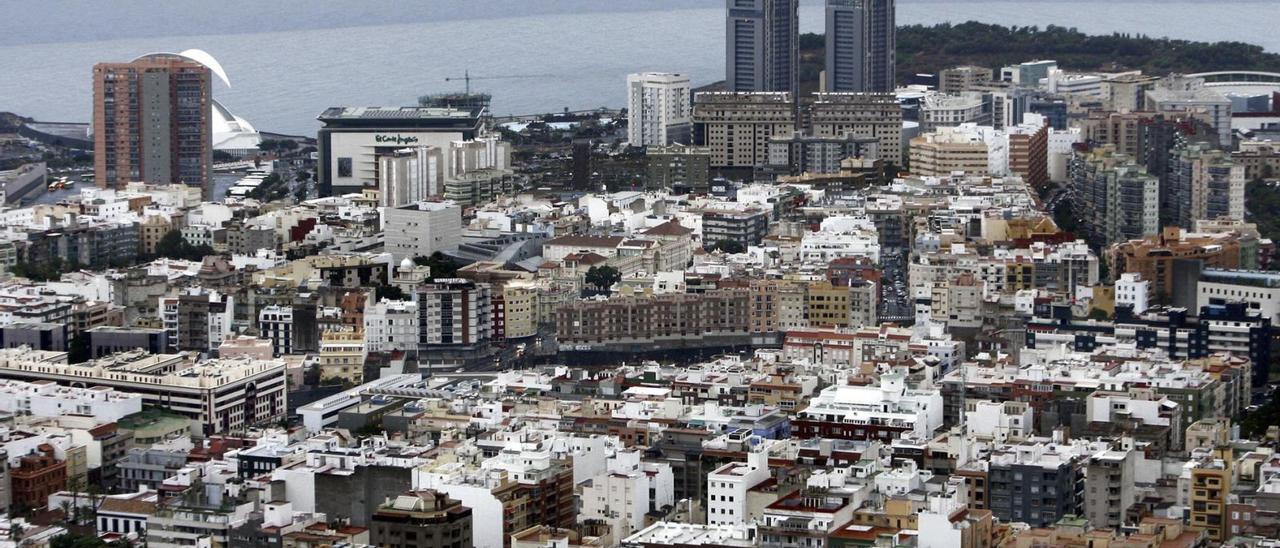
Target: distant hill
[(929, 49), (10, 122)]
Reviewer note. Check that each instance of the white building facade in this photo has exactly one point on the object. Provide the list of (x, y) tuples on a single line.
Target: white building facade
[(659, 109)]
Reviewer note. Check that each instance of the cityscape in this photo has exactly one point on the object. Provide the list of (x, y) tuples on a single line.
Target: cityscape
[(885, 285)]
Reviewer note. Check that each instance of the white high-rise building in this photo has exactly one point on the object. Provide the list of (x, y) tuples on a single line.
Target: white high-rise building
[(487, 153), (410, 175), (659, 109)]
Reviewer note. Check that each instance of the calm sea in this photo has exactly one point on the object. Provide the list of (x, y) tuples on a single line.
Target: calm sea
[(289, 60)]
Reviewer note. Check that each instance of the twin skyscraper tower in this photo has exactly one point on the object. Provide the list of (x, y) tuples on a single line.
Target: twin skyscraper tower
[(762, 45)]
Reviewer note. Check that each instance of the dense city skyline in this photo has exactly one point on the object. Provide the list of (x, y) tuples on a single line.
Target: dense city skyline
[(793, 274)]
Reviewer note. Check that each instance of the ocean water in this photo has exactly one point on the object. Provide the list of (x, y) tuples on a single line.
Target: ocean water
[(289, 60)]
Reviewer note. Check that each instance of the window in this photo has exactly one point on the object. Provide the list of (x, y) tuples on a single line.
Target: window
[(344, 167)]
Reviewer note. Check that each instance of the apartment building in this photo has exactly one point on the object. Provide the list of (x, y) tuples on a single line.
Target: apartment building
[(422, 519), (1204, 183), (1208, 491), (963, 78), (674, 318), (275, 323), (454, 312), (745, 227), (1154, 257), (727, 488), (1034, 483), (882, 412), (947, 150), (391, 325), (1109, 487), (738, 126), (659, 109), (940, 110), (866, 115), (1119, 200), (152, 121), (679, 167)]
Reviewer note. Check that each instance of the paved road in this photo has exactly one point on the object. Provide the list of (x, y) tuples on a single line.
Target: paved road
[(896, 305)]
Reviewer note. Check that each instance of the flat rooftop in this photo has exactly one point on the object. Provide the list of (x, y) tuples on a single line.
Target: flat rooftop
[(398, 113)]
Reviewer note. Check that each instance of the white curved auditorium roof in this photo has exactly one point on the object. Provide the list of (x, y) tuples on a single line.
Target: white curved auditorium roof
[(230, 132)]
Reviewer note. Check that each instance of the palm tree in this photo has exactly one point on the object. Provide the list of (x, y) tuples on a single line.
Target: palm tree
[(75, 485), (65, 506)]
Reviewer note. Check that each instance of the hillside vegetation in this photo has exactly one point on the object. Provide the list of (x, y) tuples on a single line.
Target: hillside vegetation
[(929, 49)]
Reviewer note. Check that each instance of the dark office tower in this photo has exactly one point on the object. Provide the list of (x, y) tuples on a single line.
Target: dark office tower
[(861, 43), (762, 45), (151, 122)]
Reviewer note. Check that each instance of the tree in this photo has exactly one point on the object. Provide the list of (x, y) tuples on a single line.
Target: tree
[(273, 187), (1255, 423), (1064, 216), (51, 269), (441, 266), (300, 193), (311, 377), (78, 349), (75, 485), (602, 277), (729, 246), (1098, 314), (69, 540), (389, 292), (173, 246)]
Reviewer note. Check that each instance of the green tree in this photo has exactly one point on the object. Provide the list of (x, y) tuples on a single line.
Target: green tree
[(300, 193), (389, 292), (78, 349), (51, 269), (729, 246), (311, 377), (273, 187), (1098, 314), (440, 265), (1254, 423), (931, 48), (69, 540), (1064, 216), (173, 246), (602, 278)]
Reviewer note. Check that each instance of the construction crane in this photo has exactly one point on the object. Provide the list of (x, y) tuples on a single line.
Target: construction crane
[(467, 77)]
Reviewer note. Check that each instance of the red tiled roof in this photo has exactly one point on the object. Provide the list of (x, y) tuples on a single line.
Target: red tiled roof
[(669, 228)]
